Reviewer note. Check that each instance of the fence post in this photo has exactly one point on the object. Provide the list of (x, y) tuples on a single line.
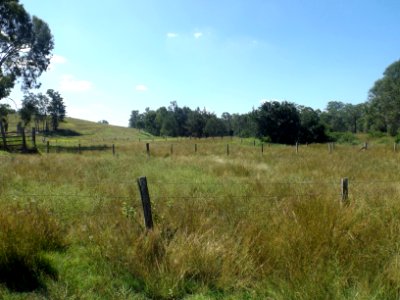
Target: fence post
[(195, 148), (34, 136), (23, 139), (345, 190), (395, 147), (148, 149), (144, 194), (297, 147), (262, 148), (172, 149), (3, 136), (254, 143), (113, 149), (48, 147), (227, 149)]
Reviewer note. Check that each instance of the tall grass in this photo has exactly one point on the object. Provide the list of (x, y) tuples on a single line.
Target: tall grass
[(244, 226)]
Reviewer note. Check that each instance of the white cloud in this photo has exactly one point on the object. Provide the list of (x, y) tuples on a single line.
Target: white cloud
[(198, 35), (172, 35), (70, 84), (141, 88), (58, 59)]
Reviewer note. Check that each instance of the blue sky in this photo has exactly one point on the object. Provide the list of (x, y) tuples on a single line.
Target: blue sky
[(112, 57)]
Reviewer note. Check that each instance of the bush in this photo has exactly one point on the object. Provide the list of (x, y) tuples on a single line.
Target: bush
[(25, 234), (343, 137)]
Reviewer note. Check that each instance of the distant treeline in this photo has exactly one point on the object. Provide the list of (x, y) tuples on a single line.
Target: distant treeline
[(284, 122)]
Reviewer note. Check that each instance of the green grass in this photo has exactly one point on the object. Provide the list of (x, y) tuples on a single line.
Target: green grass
[(244, 226)]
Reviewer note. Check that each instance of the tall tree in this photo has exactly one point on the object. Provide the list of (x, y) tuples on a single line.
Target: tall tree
[(29, 108), (56, 108), (25, 47), (278, 121), (384, 100)]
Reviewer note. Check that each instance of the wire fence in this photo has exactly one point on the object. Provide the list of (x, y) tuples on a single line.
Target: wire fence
[(201, 189)]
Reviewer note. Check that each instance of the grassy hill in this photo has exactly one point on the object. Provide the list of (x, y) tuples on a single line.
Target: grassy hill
[(74, 131)]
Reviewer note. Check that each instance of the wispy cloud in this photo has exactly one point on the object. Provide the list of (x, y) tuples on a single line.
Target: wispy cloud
[(198, 35), (56, 60), (172, 35), (70, 84), (141, 88)]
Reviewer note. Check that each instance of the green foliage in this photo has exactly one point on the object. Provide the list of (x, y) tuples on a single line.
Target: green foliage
[(343, 137), (56, 108), (384, 100), (25, 47), (279, 121)]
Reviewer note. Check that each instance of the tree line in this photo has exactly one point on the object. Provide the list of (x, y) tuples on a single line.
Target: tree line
[(284, 122)]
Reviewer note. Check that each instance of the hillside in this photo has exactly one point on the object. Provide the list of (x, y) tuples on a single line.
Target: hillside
[(76, 130)]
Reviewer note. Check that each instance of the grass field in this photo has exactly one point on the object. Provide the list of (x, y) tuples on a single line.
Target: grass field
[(247, 225)]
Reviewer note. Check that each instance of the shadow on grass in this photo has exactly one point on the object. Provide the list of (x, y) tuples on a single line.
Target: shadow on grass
[(26, 275), (62, 132)]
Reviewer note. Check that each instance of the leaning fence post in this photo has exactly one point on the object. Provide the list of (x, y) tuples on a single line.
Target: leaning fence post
[(144, 194), (148, 149), (345, 189)]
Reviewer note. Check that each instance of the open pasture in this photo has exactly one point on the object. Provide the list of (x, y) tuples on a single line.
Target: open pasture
[(240, 225)]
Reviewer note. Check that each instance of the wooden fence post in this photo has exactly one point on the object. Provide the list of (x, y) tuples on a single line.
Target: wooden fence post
[(3, 136), (254, 143), (23, 139), (34, 136), (144, 194), (148, 149), (345, 190), (113, 149), (297, 147), (172, 149), (195, 148), (262, 148), (48, 147), (227, 149)]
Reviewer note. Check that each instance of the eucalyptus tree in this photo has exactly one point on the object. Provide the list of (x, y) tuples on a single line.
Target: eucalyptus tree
[(56, 108), (26, 44), (384, 100)]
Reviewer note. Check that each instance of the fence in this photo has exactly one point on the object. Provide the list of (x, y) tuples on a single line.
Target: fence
[(13, 141), (341, 193)]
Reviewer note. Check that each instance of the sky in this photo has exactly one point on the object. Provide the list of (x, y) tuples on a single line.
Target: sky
[(115, 56)]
